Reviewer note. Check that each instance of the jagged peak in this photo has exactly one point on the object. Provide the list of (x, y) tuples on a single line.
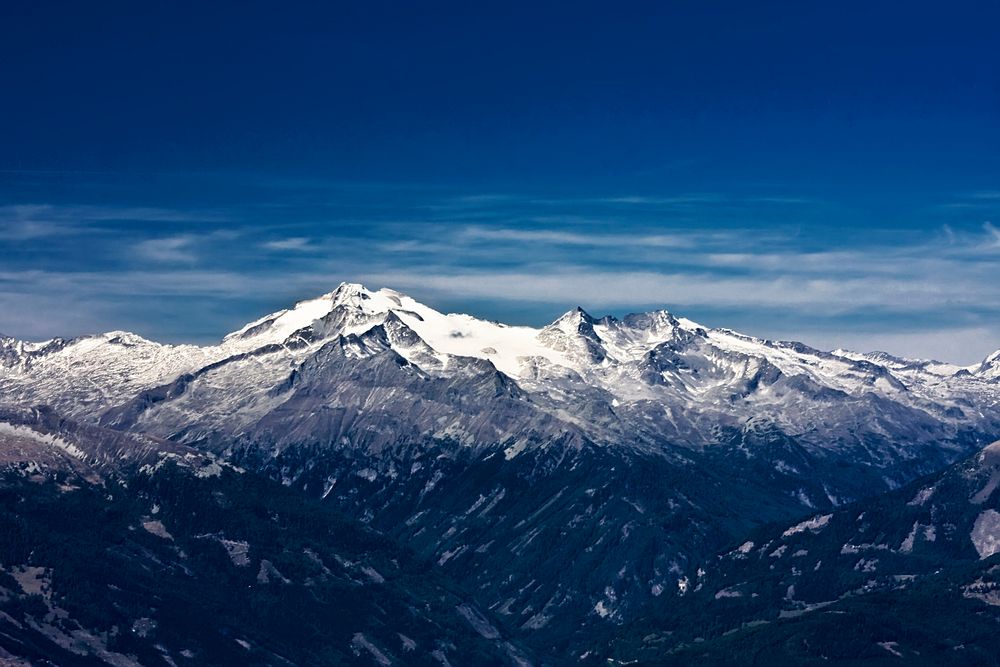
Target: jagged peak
[(655, 319), (990, 366), (576, 320), (283, 323), (348, 293), (125, 337), (349, 287), (574, 331), (878, 356), (576, 314)]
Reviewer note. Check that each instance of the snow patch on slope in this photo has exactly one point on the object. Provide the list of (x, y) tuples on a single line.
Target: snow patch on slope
[(814, 524), (18, 431)]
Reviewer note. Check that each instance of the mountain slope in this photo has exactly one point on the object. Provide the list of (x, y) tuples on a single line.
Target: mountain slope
[(160, 560), (916, 572)]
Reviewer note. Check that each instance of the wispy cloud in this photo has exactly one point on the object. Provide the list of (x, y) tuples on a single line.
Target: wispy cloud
[(28, 222), (49, 213), (993, 231), (181, 248), (169, 249), (295, 243), (616, 289), (28, 230), (557, 237), (685, 201), (681, 200), (979, 201)]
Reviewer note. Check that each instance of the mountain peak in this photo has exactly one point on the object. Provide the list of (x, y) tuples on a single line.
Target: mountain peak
[(573, 320), (356, 295), (573, 333), (347, 290), (990, 366)]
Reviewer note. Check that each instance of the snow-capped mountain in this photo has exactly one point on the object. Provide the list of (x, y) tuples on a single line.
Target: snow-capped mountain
[(989, 369), (638, 445), (637, 381)]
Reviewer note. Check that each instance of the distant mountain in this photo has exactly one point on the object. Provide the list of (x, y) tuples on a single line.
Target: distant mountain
[(634, 382), (570, 476), (124, 551), (913, 574)]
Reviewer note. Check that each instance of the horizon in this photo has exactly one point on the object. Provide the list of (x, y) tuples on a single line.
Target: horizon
[(619, 315), (507, 162)]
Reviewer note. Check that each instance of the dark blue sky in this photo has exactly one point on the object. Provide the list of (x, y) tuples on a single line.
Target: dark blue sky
[(821, 171)]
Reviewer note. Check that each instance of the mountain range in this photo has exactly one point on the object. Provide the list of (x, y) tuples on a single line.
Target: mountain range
[(572, 483)]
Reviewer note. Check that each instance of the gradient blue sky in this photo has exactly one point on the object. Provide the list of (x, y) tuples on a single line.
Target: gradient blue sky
[(827, 172)]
